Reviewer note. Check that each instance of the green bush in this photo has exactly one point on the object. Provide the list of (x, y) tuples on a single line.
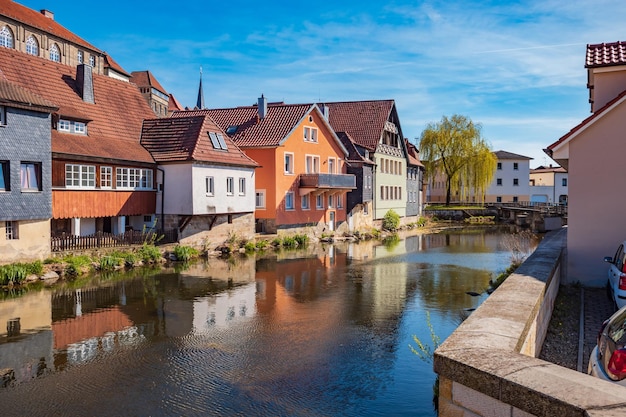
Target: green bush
[(149, 253), (34, 268), (262, 244), (13, 274), (289, 242), (421, 222), (185, 253), (249, 247), (277, 241), (108, 263), (391, 221), (301, 240)]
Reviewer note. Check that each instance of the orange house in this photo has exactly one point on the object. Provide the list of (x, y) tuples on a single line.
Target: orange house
[(302, 181)]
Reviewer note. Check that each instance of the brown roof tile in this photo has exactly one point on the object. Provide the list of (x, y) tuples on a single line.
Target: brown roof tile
[(186, 138), (115, 118), (146, 79), (363, 120), (174, 104), (110, 63), (413, 154), (253, 132), (605, 54), (36, 19), (17, 96)]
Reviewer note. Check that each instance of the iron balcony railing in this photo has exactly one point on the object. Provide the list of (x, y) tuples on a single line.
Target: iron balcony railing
[(328, 181)]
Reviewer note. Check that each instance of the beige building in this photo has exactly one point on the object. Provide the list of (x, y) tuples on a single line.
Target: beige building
[(592, 155)]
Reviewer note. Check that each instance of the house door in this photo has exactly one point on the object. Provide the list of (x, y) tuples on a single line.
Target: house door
[(331, 221)]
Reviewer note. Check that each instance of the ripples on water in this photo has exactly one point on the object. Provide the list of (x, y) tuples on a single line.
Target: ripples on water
[(322, 333)]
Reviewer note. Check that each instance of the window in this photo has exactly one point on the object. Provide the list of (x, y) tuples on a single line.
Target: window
[(339, 201), (147, 219), (79, 57), (30, 176), (382, 192), (515, 199), (209, 184), (217, 140), (54, 53), (92, 60), (515, 181), (499, 165), (330, 201), (5, 178), (499, 181), (77, 176), (498, 199), (312, 164), (64, 125), (319, 201), (79, 127), (242, 186), (289, 200), (230, 186), (32, 48), (366, 208), (515, 166), (106, 177), (564, 182), (288, 163), (310, 134), (134, 178), (11, 230), (259, 200), (331, 165), (3, 116), (304, 202), (6, 37)]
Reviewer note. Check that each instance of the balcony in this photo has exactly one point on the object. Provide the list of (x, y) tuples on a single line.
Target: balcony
[(326, 182)]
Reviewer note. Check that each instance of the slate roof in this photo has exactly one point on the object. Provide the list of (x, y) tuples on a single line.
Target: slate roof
[(363, 120), (114, 121), (510, 155), (35, 19), (605, 54), (253, 132), (146, 79), (186, 138), (353, 154), (14, 95)]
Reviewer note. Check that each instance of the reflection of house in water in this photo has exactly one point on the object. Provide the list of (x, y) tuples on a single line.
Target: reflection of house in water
[(27, 351), (224, 308)]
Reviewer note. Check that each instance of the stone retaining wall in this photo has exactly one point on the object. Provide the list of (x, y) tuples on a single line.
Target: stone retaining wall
[(489, 365)]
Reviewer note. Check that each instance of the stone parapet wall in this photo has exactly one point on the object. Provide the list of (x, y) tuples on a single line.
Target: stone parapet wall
[(489, 365)]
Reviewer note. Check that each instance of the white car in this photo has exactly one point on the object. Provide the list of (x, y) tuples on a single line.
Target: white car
[(608, 359), (617, 275)]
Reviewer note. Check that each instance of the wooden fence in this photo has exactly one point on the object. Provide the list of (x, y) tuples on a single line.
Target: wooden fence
[(108, 240)]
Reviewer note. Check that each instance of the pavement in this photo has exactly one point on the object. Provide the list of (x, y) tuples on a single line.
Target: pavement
[(596, 307)]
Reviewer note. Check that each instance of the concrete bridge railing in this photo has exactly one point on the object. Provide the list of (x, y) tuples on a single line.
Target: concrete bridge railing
[(489, 365)]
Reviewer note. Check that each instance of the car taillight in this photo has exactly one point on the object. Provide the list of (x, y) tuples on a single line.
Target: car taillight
[(617, 364), (622, 281)]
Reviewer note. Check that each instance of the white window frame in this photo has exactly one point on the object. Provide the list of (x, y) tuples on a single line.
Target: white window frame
[(80, 128), (259, 199), (80, 57), (30, 170), (242, 186), (6, 37), (339, 201), (305, 202), (289, 201), (230, 186), (54, 54), (11, 228), (82, 176), (319, 202), (288, 163), (312, 167), (134, 178), (106, 177), (64, 125), (332, 165), (330, 201), (92, 60), (209, 186), (32, 46), (310, 134)]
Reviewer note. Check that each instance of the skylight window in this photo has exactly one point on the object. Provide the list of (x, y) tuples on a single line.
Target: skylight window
[(231, 129), (217, 140)]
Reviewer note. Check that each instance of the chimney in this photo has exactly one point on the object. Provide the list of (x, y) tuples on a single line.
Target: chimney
[(325, 111), (84, 82), (47, 13), (262, 107)]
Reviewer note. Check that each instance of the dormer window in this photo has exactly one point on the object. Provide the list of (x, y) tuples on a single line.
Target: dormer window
[(32, 47), (54, 53), (217, 140), (72, 126), (6, 37)]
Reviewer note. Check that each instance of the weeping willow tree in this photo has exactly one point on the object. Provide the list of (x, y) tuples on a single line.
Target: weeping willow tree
[(455, 149)]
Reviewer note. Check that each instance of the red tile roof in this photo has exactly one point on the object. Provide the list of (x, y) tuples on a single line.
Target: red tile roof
[(174, 104), (36, 19), (363, 120), (15, 96), (146, 79), (253, 132), (413, 154), (115, 118), (605, 54), (187, 139), (110, 63)]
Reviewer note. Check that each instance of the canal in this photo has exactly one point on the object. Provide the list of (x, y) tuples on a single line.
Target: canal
[(325, 331)]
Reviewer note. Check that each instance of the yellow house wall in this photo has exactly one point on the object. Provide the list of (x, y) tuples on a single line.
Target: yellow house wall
[(33, 242)]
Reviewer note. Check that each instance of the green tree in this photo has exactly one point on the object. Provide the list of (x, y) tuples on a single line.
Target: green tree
[(455, 149)]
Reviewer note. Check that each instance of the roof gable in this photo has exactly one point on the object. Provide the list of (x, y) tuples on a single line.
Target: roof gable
[(146, 79), (186, 138), (605, 54), (510, 155)]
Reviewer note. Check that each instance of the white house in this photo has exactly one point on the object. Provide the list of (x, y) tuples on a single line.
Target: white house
[(208, 182), (548, 185)]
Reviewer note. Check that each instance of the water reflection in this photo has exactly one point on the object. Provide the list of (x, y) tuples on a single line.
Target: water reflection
[(320, 332)]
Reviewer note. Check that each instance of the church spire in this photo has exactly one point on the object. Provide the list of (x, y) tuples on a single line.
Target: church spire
[(200, 102)]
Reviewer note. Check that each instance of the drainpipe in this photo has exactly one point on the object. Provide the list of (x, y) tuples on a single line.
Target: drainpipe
[(162, 198)]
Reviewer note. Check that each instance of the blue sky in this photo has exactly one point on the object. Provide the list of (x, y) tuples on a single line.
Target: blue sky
[(516, 67)]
